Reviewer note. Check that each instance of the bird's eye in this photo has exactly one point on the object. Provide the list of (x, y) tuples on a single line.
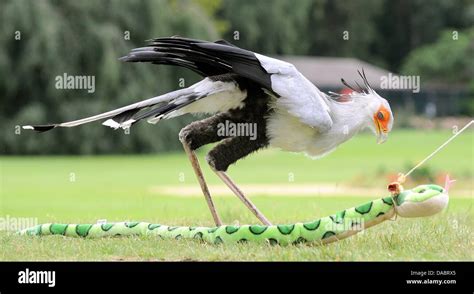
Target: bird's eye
[(380, 115)]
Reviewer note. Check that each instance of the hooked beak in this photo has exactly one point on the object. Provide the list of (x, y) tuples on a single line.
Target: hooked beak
[(382, 133), (382, 137)]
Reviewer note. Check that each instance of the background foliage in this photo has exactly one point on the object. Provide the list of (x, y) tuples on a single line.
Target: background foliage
[(87, 37)]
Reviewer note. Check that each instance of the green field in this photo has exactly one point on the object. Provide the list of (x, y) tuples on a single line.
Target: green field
[(117, 188)]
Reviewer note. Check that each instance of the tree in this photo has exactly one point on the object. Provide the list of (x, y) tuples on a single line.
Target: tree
[(448, 60), (405, 25), (45, 39)]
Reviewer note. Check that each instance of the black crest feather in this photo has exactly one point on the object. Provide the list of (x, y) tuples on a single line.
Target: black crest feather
[(361, 89)]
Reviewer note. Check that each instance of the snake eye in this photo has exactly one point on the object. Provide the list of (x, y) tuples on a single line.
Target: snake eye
[(422, 191), (380, 115)]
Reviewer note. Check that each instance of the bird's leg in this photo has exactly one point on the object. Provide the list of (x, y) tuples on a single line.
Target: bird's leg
[(228, 152), (192, 137), (202, 182), (228, 181)]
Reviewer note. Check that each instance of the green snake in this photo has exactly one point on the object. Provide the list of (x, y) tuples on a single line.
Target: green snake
[(423, 200)]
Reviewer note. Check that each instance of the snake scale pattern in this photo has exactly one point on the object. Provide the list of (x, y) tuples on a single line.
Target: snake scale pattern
[(423, 200)]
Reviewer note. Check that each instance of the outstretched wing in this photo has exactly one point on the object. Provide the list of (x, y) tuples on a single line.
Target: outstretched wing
[(295, 93), (298, 95), (205, 58)]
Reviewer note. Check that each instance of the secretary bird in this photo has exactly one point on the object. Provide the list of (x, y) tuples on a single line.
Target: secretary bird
[(240, 86)]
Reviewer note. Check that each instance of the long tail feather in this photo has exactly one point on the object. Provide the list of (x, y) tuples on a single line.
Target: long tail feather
[(157, 108), (118, 115), (178, 106)]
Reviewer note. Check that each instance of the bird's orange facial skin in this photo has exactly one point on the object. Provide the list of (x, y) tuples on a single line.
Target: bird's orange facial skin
[(382, 119)]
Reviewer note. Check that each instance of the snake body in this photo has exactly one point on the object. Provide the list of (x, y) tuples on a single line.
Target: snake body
[(423, 200)]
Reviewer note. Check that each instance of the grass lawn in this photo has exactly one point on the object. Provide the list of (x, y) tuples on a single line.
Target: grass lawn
[(117, 188)]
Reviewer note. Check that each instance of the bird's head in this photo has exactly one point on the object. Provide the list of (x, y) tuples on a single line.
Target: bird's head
[(381, 117), (378, 114)]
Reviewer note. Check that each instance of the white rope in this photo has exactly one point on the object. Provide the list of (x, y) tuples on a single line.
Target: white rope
[(438, 149)]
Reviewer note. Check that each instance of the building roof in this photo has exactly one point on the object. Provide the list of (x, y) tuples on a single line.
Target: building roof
[(326, 72)]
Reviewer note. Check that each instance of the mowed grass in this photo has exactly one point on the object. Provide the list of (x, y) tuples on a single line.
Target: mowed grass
[(117, 188)]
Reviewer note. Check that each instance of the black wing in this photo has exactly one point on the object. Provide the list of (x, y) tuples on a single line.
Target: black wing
[(204, 58)]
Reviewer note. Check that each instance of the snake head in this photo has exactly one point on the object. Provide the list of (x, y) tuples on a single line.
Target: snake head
[(423, 200)]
